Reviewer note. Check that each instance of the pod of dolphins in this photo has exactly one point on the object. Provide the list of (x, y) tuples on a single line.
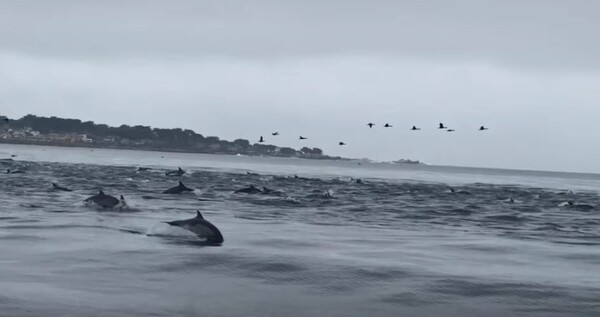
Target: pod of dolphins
[(198, 225)]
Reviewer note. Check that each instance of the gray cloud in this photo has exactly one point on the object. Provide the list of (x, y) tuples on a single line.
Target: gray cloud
[(520, 33), (528, 69)]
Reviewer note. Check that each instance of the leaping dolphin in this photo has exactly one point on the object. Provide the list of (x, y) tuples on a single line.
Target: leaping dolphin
[(103, 200), (60, 188), (248, 190), (178, 189), (178, 172), (201, 227)]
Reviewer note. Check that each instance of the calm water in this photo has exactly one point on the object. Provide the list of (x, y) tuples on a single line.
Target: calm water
[(399, 244)]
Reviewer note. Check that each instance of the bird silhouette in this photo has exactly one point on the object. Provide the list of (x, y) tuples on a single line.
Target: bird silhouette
[(261, 140), (442, 126), (414, 128), (275, 133), (302, 138), (482, 128), (370, 124), (342, 143)]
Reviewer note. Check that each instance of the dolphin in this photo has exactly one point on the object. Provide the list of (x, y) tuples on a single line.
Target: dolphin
[(201, 227), (316, 194), (143, 169), (60, 188), (122, 202), (273, 192), (342, 143), (178, 172), (370, 124), (576, 206), (103, 200), (8, 171), (248, 190), (266, 190), (178, 189)]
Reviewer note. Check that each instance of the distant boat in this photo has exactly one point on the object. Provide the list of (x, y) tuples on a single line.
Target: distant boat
[(405, 161)]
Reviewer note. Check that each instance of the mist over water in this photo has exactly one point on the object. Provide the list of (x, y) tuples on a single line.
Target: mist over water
[(408, 240)]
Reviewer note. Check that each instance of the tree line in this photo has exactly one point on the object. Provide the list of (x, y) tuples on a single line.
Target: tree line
[(177, 138)]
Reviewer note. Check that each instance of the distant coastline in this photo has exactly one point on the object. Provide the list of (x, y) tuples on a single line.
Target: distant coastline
[(53, 131)]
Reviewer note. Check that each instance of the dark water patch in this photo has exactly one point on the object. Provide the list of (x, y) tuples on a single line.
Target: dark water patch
[(21, 237), (412, 299), (506, 218), (32, 206), (54, 227), (8, 218), (21, 220), (469, 289)]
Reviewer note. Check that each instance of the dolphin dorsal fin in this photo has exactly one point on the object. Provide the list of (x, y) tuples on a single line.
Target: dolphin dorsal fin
[(180, 169), (198, 214), (101, 193), (181, 184), (54, 185)]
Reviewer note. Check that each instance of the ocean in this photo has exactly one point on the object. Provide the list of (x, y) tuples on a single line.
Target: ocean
[(409, 240)]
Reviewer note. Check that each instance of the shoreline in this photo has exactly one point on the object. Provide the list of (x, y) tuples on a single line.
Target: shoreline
[(152, 149)]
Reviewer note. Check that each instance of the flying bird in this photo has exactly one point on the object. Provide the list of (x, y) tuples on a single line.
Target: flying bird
[(275, 133), (302, 138), (387, 125), (442, 126), (370, 124), (342, 143), (261, 140), (482, 128), (414, 128)]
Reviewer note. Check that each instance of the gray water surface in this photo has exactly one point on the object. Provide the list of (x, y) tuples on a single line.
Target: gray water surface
[(402, 243)]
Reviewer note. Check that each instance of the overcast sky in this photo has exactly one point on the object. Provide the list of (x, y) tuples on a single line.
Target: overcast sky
[(528, 69)]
